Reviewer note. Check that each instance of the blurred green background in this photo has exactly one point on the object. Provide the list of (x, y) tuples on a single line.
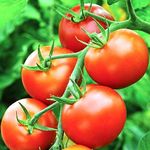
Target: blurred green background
[(25, 24)]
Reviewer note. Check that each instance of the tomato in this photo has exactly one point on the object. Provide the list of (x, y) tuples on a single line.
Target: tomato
[(16, 136), (68, 30), (42, 84), (96, 119), (77, 147), (121, 62)]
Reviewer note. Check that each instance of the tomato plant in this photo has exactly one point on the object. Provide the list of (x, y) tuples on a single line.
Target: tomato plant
[(69, 30), (119, 63), (16, 136), (42, 84), (91, 116), (77, 147), (96, 119)]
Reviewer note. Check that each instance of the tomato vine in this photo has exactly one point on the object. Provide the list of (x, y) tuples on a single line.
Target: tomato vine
[(133, 22)]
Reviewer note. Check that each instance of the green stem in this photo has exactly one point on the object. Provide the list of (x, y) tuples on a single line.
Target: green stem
[(35, 118), (134, 22), (70, 55), (58, 145), (131, 10), (119, 25), (74, 76), (87, 13), (51, 21), (82, 9)]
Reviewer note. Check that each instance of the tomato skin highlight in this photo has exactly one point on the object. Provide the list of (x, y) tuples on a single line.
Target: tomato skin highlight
[(16, 136), (41, 85), (121, 62), (99, 116), (77, 147), (68, 30)]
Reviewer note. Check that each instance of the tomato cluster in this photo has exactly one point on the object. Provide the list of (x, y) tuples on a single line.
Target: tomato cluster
[(99, 114)]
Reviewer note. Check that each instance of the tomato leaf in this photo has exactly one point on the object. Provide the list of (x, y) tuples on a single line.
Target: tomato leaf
[(137, 4), (110, 2), (144, 143), (9, 13), (2, 145), (10, 69), (141, 95), (145, 36), (144, 13)]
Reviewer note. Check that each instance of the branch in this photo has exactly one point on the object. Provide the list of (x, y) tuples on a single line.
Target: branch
[(74, 76)]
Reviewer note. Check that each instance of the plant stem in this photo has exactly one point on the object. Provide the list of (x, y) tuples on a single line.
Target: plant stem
[(35, 118), (134, 22), (58, 145), (70, 55), (51, 21), (37, 115), (74, 76), (131, 10), (87, 13), (82, 9)]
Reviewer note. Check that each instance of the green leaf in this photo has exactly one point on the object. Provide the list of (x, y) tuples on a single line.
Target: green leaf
[(137, 4), (11, 68), (131, 133), (45, 3), (144, 143), (145, 36), (2, 145), (2, 109), (14, 7), (144, 13), (110, 2), (31, 12), (10, 10), (138, 93)]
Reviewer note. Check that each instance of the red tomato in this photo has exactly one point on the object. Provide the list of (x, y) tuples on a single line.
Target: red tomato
[(41, 85), (68, 30), (121, 62), (77, 147), (96, 119), (16, 136)]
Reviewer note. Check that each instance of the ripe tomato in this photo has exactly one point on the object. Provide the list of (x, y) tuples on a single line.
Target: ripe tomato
[(16, 136), (68, 30), (41, 85), (121, 62), (96, 119), (77, 147)]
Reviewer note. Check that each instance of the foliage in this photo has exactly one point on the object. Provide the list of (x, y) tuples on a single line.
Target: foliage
[(23, 25)]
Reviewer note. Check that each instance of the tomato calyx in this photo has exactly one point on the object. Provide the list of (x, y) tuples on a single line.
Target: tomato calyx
[(28, 123), (97, 40), (45, 63), (71, 15), (75, 92)]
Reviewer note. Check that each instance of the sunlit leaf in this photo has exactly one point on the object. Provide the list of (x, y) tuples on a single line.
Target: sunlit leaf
[(144, 143), (10, 10)]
